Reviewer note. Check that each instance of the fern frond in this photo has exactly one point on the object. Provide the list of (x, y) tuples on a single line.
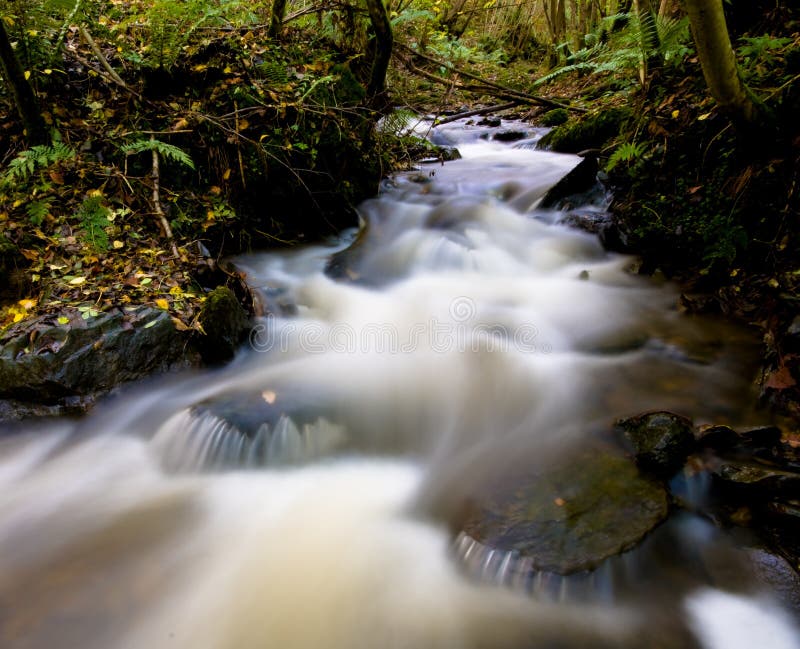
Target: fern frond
[(40, 156), (166, 151), (37, 211), (627, 153)]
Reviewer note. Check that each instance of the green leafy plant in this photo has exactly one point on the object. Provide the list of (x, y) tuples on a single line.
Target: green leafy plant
[(93, 216), (627, 153), (165, 150), (624, 52), (37, 158), (761, 49), (38, 210)]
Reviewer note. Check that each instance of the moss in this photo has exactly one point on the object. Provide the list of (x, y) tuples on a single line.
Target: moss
[(591, 131), (555, 117), (225, 324)]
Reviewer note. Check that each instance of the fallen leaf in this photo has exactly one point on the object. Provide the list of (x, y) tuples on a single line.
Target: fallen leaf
[(161, 303)]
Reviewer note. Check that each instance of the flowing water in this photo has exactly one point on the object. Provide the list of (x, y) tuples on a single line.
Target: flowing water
[(308, 495)]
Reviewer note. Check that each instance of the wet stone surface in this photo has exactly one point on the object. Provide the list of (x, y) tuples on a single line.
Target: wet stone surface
[(571, 516)]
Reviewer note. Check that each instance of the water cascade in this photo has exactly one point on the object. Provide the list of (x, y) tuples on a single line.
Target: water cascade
[(316, 492)]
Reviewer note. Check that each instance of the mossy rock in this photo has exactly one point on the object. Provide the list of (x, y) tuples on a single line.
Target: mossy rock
[(225, 324), (592, 131), (555, 117)]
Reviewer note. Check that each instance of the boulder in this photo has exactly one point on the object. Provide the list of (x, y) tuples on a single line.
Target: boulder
[(571, 515), (58, 364), (661, 441)]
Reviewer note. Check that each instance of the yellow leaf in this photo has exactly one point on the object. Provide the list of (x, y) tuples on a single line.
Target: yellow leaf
[(228, 69), (243, 124), (27, 74), (47, 71), (161, 303), (180, 325), (62, 320), (27, 304), (77, 281), (226, 175), (703, 117), (18, 315), (117, 244), (95, 193), (199, 67), (176, 290), (675, 114)]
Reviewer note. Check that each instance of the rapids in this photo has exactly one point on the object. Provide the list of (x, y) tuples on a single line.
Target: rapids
[(305, 496)]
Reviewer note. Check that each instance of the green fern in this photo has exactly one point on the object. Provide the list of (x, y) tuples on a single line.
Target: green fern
[(36, 158), (627, 153), (166, 151), (93, 217), (624, 52), (38, 210)]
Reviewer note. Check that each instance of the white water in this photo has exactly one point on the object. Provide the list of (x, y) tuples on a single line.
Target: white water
[(300, 497)]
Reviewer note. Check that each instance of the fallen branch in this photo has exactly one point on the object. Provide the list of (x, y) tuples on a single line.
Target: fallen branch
[(479, 111), (504, 91), (103, 61)]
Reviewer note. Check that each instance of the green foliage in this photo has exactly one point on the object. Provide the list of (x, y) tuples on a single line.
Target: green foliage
[(39, 157), (591, 131), (623, 51), (555, 117), (93, 217), (38, 210), (166, 151), (764, 49), (627, 153), (39, 28)]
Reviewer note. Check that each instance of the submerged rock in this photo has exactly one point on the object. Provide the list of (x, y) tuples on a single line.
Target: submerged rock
[(572, 515), (661, 441)]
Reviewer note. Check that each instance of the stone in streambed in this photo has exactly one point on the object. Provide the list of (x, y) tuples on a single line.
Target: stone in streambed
[(58, 364), (572, 515), (661, 441)]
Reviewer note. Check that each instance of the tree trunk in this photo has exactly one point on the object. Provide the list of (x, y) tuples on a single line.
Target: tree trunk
[(276, 18), (718, 61), (383, 48), (24, 99)]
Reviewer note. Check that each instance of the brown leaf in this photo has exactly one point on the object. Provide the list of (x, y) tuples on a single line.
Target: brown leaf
[(780, 379)]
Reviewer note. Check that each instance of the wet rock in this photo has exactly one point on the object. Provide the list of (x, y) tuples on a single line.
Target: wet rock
[(602, 224), (571, 515), (777, 574), (661, 441), (581, 179), (509, 135), (493, 122), (49, 367), (718, 438), (769, 480), (225, 324)]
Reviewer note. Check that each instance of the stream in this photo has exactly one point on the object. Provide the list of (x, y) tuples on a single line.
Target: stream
[(321, 490)]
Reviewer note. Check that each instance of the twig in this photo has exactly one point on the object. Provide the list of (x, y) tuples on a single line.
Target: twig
[(479, 111), (159, 212), (106, 65)]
